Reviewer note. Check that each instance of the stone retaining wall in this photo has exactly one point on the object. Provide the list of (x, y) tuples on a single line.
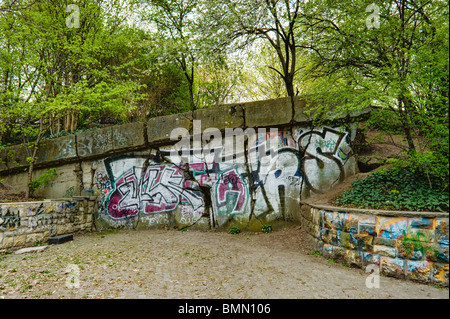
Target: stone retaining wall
[(408, 245), (261, 158), (30, 223)]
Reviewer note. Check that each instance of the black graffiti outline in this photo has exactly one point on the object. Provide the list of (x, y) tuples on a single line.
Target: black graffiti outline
[(10, 220), (329, 155)]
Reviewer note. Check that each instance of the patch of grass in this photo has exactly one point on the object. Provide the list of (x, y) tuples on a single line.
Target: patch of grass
[(316, 253)]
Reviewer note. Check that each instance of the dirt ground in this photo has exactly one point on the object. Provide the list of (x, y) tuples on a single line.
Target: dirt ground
[(192, 264)]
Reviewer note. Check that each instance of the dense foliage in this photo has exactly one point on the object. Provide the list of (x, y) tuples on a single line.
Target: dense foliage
[(401, 189), (68, 66)]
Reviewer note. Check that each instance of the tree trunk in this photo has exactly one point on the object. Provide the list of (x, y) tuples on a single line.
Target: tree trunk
[(33, 158), (289, 82)]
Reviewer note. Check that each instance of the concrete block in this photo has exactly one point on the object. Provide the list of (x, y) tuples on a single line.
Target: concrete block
[(328, 218), (392, 228), (16, 156), (32, 239), (410, 250), (393, 267), (419, 270), (439, 274), (303, 112), (422, 223), (345, 240), (350, 224), (367, 229), (386, 242), (352, 258), (225, 116), (328, 251), (60, 239), (8, 242), (128, 136), (442, 231), (3, 159), (268, 113), (95, 143), (362, 242), (19, 240), (160, 128), (437, 253), (370, 258), (61, 149), (385, 251)]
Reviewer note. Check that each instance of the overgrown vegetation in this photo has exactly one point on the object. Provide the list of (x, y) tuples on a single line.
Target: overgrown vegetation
[(42, 180), (130, 60), (398, 189)]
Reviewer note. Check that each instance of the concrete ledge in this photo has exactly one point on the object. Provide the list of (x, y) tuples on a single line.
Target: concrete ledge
[(111, 140), (137, 136), (160, 128), (390, 213), (94, 143), (268, 113), (61, 149), (222, 117), (128, 136)]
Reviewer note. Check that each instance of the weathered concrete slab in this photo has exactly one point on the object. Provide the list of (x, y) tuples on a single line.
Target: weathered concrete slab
[(30, 250), (268, 113), (57, 150), (128, 136), (302, 111), (225, 116), (160, 128), (94, 143)]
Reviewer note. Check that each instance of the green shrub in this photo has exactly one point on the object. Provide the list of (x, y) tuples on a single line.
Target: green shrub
[(266, 228), (400, 189), (234, 230), (42, 180)]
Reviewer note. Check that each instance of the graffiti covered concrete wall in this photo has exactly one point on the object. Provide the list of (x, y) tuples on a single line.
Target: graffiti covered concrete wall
[(406, 245), (261, 186), (247, 164)]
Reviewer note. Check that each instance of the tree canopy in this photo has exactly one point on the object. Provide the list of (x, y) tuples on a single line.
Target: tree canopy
[(74, 65)]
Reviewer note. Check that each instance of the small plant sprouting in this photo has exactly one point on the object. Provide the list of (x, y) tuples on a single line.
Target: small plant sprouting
[(316, 253), (42, 180), (234, 230), (266, 228)]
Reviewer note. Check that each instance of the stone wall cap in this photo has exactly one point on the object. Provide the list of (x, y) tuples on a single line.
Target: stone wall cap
[(381, 212)]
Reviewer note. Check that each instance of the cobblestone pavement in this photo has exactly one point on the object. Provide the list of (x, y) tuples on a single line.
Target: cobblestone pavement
[(192, 264)]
